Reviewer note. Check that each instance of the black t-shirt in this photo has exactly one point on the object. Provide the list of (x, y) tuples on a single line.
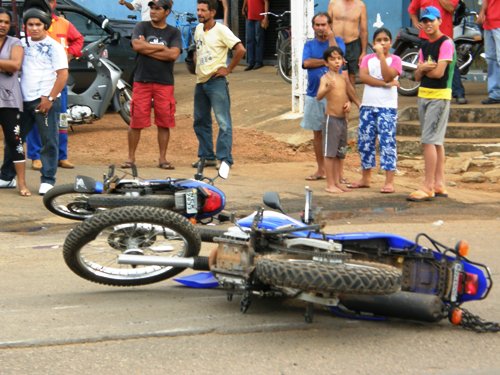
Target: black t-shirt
[(150, 69)]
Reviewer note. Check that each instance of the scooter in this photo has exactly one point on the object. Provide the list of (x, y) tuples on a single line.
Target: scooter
[(107, 87), (269, 254), (197, 199), (468, 44)]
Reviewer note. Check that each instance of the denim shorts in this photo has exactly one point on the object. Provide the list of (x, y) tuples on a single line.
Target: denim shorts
[(314, 114)]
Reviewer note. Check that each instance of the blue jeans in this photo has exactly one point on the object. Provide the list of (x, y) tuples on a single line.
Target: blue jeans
[(457, 88), (213, 94), (34, 144), (48, 129), (492, 51), (255, 42)]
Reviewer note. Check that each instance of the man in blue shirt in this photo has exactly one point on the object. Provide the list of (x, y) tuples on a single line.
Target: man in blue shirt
[(312, 60)]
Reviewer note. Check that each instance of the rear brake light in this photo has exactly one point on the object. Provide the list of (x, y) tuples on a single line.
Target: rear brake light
[(470, 285), (213, 201)]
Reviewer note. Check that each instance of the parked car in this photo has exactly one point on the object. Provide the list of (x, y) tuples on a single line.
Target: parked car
[(89, 25)]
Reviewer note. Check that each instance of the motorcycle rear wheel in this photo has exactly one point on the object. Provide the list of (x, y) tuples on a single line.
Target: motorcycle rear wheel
[(352, 277), (91, 250), (407, 84), (64, 201)]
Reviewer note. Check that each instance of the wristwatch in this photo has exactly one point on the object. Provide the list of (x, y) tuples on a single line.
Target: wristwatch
[(50, 99)]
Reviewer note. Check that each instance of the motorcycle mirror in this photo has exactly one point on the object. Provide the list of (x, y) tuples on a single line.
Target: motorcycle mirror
[(272, 200), (224, 170)]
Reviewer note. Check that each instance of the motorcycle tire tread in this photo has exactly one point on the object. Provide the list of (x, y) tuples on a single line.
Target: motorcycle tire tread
[(88, 230), (351, 277)]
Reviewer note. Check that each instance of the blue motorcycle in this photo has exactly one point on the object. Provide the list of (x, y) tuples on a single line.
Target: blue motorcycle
[(268, 253), (196, 198)]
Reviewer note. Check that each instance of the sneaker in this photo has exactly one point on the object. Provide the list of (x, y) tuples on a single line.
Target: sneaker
[(208, 163), (66, 164), (6, 184), (490, 101), (44, 187), (36, 164), (461, 100)]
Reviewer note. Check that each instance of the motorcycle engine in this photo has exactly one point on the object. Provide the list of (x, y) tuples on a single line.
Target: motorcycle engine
[(233, 262)]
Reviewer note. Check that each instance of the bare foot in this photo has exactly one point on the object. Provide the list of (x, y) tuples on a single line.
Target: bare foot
[(334, 190), (359, 185), (387, 189), (24, 192), (343, 188)]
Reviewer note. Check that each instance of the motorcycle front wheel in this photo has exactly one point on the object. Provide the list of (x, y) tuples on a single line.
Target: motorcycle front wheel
[(64, 201), (353, 277), (124, 99), (91, 250), (407, 84)]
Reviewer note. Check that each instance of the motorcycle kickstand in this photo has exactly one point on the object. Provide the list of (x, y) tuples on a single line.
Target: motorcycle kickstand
[(245, 302), (309, 314)]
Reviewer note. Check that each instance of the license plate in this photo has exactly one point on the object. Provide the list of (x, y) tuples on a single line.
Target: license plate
[(457, 269), (187, 200)]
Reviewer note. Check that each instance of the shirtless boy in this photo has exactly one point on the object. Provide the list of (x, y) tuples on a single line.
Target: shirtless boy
[(339, 94), (349, 20)]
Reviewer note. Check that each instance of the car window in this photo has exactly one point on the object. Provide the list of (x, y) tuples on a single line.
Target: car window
[(90, 30)]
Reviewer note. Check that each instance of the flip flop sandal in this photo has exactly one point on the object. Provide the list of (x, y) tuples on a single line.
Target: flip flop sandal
[(127, 164), (443, 193), (166, 165), (314, 177), (355, 185), (420, 196)]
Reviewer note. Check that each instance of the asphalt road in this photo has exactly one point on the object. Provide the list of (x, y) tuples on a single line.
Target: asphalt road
[(54, 322)]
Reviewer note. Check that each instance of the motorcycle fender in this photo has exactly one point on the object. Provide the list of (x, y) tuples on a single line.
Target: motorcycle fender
[(85, 184), (120, 85)]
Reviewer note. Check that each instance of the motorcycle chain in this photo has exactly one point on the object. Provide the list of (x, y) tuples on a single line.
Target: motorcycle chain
[(474, 323)]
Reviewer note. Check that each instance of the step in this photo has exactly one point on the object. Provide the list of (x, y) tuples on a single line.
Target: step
[(454, 129), (411, 145), (464, 113)]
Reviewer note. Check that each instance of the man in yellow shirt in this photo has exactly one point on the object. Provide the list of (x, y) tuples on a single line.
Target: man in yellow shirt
[(213, 40)]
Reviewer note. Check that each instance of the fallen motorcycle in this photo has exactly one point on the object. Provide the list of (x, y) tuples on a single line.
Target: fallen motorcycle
[(197, 199), (271, 254)]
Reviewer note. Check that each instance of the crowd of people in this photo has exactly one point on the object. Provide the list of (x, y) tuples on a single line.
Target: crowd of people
[(31, 102), (437, 73), (333, 59)]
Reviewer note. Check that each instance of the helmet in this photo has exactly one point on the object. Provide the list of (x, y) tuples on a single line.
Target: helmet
[(46, 18), (190, 64)]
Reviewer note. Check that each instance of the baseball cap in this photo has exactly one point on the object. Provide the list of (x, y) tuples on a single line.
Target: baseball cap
[(165, 4), (431, 13)]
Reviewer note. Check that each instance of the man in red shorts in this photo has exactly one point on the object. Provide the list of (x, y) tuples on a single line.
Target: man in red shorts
[(158, 45)]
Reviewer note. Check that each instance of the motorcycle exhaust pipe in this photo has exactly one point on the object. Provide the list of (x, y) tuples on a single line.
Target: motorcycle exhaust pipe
[(403, 305), (196, 263)]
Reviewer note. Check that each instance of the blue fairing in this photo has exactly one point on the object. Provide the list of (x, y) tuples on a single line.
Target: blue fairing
[(99, 187), (194, 184), (274, 220)]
